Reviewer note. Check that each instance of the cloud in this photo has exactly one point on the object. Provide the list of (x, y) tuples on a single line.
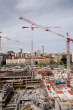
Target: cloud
[(43, 12), (29, 4)]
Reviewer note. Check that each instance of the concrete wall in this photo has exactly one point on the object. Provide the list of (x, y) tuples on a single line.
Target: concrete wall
[(15, 61), (63, 105), (28, 60)]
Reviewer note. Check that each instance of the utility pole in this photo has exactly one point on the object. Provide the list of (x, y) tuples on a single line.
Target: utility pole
[(0, 41)]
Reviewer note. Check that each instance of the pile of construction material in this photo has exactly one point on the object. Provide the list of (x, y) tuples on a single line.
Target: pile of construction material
[(6, 95), (37, 99)]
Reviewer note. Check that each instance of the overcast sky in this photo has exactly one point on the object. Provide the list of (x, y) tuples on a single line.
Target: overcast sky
[(44, 12)]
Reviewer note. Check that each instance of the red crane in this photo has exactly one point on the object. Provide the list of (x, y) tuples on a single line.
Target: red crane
[(7, 38), (67, 38), (10, 55)]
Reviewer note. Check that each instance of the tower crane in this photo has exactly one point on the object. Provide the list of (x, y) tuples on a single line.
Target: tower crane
[(34, 25), (7, 38), (67, 38)]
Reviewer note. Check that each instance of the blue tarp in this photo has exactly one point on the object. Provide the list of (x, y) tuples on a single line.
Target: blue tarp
[(60, 83)]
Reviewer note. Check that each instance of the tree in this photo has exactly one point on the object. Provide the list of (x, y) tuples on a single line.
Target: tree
[(11, 52), (63, 60)]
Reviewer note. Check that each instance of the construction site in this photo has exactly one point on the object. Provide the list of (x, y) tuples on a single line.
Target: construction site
[(36, 71), (32, 87), (37, 88)]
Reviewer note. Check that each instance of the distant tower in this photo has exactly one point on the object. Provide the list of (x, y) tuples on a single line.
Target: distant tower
[(38, 53), (43, 50), (21, 50)]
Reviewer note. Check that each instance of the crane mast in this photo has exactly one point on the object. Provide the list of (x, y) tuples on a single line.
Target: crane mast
[(32, 59), (68, 58), (68, 51)]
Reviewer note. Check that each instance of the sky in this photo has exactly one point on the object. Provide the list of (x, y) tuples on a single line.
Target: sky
[(44, 12)]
